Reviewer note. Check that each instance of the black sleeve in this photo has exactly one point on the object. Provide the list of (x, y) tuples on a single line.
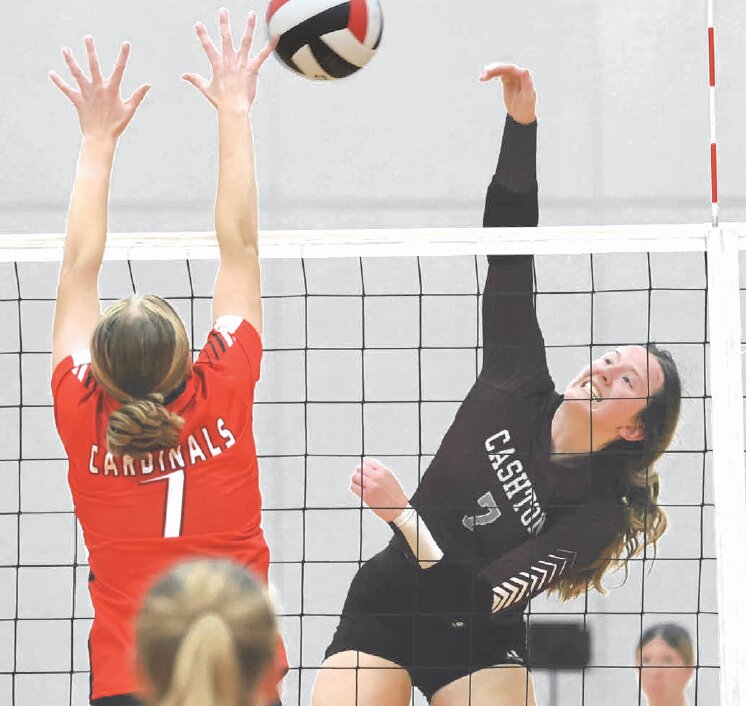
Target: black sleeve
[(513, 344), (577, 536)]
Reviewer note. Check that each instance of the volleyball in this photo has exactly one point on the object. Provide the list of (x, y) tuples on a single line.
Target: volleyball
[(325, 39)]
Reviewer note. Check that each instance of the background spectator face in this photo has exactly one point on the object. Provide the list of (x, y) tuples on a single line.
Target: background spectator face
[(666, 657)]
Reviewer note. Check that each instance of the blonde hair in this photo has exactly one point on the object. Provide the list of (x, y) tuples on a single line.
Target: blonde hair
[(205, 635), (140, 352)]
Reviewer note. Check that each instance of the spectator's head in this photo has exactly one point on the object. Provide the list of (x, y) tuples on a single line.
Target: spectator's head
[(206, 636), (666, 657)]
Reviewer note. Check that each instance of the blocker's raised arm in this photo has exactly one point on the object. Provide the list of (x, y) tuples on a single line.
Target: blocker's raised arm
[(103, 116), (232, 90)]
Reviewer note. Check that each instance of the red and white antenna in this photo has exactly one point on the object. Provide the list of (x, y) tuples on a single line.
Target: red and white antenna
[(713, 114)]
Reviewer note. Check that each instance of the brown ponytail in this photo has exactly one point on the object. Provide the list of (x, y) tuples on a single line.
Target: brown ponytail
[(139, 426), (140, 352), (206, 635)]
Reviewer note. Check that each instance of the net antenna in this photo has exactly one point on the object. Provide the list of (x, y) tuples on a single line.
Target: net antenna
[(713, 113)]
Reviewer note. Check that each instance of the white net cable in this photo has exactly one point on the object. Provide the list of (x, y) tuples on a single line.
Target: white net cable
[(47, 247)]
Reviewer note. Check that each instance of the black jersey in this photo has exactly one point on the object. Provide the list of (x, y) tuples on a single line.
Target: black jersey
[(493, 492)]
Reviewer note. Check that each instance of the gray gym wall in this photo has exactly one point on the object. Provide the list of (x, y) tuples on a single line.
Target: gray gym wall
[(412, 140)]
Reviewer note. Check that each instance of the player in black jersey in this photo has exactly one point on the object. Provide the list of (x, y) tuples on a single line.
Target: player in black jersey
[(530, 490)]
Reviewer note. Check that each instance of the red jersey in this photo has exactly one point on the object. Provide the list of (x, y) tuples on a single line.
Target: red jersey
[(139, 517)]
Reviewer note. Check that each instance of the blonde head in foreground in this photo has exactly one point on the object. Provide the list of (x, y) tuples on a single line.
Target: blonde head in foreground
[(206, 636)]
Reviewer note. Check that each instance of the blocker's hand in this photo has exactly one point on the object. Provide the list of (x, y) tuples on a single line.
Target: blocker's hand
[(518, 90), (234, 75), (379, 489), (101, 111)]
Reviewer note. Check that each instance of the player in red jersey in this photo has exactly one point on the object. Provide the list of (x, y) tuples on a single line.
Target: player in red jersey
[(162, 462)]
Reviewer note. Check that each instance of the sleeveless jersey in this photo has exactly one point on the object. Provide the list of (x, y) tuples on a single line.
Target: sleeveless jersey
[(140, 517)]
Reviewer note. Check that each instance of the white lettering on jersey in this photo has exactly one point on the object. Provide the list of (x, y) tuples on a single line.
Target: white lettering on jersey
[(195, 452), (226, 434), (487, 501), (109, 465), (174, 502), (507, 473), (128, 465), (515, 484), (167, 459), (214, 450), (176, 458), (534, 519), (503, 435), (91, 466)]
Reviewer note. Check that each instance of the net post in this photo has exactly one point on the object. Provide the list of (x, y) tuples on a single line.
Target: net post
[(729, 478)]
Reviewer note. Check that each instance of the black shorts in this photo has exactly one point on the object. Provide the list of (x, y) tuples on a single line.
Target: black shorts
[(379, 617)]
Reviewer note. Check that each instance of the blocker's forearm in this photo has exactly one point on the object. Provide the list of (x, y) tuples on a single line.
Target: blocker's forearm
[(236, 209), (87, 218)]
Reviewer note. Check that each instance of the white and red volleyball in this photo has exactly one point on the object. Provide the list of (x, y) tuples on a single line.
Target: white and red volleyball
[(325, 39)]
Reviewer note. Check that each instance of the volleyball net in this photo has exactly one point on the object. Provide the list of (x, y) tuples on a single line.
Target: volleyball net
[(372, 339)]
